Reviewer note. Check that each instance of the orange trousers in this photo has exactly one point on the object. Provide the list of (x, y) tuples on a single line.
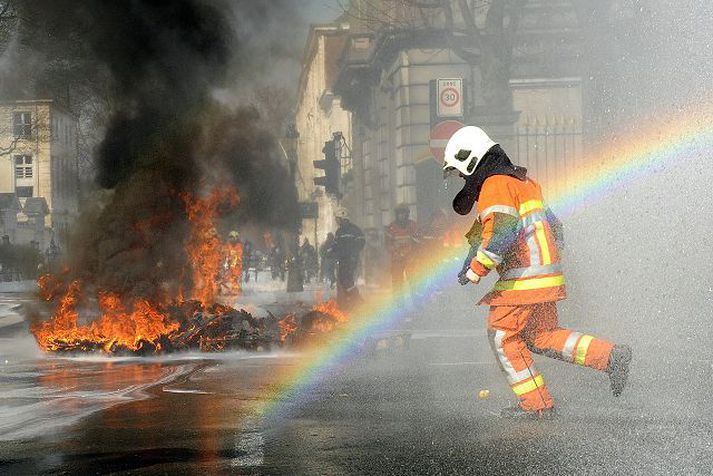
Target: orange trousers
[(515, 331)]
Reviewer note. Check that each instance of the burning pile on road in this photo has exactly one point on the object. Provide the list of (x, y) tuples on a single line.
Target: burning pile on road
[(144, 328), (104, 321)]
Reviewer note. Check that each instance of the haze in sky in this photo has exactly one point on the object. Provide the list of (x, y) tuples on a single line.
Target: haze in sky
[(321, 11)]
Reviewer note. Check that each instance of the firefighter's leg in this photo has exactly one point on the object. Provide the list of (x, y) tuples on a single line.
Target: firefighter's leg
[(505, 323), (544, 337), (397, 275)]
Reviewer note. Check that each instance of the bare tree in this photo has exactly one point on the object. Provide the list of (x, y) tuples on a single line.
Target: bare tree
[(14, 136), (8, 17)]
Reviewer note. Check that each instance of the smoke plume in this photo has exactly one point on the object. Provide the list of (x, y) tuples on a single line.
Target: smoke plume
[(160, 64)]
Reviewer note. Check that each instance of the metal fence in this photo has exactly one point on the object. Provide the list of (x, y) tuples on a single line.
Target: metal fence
[(551, 149)]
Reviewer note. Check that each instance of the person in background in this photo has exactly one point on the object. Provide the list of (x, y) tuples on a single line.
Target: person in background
[(309, 260), (402, 239), (328, 262), (233, 263), (248, 260), (348, 242)]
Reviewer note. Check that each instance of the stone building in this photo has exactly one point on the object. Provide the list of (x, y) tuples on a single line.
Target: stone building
[(319, 114), (385, 80), (370, 76), (38, 163)]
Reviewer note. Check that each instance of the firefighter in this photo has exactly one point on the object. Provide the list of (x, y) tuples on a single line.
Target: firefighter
[(327, 261), (309, 260), (348, 242), (402, 237), (233, 263), (520, 238)]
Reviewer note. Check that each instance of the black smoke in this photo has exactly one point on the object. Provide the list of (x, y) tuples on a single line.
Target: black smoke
[(158, 64)]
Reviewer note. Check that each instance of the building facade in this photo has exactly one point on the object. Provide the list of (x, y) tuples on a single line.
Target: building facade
[(385, 80), (38, 164), (318, 116)]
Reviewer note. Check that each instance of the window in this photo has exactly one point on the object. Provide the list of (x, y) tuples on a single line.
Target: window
[(23, 166), (22, 124), (23, 192)]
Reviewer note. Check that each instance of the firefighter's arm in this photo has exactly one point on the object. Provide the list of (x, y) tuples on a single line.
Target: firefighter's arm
[(556, 227), (500, 220)]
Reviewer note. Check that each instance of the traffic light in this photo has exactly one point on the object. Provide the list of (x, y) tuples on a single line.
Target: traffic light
[(332, 168)]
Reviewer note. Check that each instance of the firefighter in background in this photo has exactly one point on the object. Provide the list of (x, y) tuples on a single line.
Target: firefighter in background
[(520, 238), (434, 235), (328, 263), (309, 261), (402, 239), (347, 245), (233, 263)]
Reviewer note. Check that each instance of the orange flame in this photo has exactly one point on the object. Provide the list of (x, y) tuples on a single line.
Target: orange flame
[(333, 317), (288, 326), (115, 328), (203, 246), (331, 309)]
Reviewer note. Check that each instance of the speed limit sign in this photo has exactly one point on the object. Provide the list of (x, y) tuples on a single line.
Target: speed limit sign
[(450, 97)]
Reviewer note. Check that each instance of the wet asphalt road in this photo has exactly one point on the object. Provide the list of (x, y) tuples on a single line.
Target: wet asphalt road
[(388, 411)]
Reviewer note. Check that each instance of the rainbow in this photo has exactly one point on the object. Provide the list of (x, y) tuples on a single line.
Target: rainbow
[(606, 170)]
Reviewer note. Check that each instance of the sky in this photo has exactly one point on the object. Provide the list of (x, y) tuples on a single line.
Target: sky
[(321, 11)]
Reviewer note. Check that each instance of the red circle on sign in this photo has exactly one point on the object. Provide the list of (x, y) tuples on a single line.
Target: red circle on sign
[(450, 97), (440, 134)]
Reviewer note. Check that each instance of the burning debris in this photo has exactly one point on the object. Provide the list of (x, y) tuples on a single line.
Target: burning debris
[(147, 265), (160, 322), (145, 329)]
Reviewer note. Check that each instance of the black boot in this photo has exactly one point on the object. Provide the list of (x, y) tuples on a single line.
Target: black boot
[(518, 413), (618, 368)]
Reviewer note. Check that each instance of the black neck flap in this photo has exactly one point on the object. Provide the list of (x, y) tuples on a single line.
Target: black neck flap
[(495, 162)]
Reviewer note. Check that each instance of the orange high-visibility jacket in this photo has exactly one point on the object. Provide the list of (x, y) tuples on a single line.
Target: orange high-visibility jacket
[(402, 239), (518, 241)]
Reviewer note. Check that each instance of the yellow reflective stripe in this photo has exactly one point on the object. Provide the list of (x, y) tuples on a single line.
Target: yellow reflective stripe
[(531, 205), (542, 239), (582, 348), (529, 386), (528, 284), (484, 260)]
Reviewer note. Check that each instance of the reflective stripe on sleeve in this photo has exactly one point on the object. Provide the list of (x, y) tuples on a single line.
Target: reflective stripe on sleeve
[(531, 205), (534, 250), (582, 348), (542, 240), (568, 349), (533, 218), (499, 209), (483, 259), (487, 258), (529, 385), (528, 284)]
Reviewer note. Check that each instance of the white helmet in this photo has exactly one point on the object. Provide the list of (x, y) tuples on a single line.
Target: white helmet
[(341, 212), (465, 149)]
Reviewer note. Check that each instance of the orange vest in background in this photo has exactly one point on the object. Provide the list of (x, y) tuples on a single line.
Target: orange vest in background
[(402, 239), (518, 242)]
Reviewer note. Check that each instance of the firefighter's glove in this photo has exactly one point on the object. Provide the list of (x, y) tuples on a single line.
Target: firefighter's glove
[(472, 276)]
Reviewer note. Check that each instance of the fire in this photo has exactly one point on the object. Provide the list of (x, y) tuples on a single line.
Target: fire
[(331, 309), (204, 248), (116, 328), (326, 317), (113, 323), (288, 326), (50, 287)]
